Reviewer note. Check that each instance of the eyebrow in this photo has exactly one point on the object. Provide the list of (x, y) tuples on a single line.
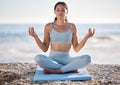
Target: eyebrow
[(60, 8)]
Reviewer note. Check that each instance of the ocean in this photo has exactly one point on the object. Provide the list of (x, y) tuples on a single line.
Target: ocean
[(17, 46)]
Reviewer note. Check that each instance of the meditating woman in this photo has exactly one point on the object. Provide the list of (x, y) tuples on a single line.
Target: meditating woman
[(60, 35)]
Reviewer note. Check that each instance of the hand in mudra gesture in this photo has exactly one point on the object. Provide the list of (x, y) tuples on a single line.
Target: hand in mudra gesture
[(32, 32), (90, 33)]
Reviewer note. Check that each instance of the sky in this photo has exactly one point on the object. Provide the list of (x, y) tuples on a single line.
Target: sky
[(42, 11)]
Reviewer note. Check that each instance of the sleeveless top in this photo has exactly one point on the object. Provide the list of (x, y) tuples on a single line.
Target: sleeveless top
[(57, 37)]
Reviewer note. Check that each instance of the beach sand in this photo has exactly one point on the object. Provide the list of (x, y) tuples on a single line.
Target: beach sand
[(22, 74)]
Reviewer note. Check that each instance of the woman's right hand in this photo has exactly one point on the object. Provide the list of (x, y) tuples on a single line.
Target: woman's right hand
[(32, 32)]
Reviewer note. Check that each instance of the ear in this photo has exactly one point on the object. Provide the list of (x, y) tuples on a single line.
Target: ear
[(66, 11)]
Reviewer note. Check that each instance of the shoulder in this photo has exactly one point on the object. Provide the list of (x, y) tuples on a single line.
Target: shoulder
[(48, 27), (73, 27), (71, 24)]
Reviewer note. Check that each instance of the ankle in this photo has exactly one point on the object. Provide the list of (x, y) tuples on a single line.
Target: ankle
[(58, 70)]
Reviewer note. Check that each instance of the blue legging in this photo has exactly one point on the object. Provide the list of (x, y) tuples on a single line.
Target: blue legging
[(62, 60)]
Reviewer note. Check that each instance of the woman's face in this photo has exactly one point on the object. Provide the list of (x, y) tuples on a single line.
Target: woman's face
[(60, 11)]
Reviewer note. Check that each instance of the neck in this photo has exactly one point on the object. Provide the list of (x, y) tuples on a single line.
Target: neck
[(60, 22)]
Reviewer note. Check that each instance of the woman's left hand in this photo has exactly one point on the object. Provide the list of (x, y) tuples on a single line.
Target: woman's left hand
[(90, 33)]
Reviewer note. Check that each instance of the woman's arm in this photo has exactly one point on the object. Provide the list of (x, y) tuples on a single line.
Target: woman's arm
[(42, 45), (77, 46)]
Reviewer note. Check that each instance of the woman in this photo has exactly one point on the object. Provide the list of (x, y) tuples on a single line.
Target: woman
[(61, 34)]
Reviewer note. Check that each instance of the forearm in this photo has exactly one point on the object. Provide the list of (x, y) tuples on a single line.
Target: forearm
[(41, 45), (81, 44)]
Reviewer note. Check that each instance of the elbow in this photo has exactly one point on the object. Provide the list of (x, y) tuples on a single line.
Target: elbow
[(76, 50), (44, 50)]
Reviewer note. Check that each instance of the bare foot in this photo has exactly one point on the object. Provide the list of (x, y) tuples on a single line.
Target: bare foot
[(75, 71), (57, 71), (51, 71)]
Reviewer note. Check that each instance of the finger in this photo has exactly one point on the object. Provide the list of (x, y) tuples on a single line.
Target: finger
[(93, 31), (29, 30), (32, 29), (89, 29)]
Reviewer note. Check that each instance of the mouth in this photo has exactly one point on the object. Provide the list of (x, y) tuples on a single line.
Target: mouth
[(61, 15)]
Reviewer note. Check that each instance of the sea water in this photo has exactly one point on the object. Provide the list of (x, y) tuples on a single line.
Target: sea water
[(17, 46)]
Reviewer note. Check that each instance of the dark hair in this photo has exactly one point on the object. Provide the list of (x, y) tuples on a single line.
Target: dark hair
[(66, 7)]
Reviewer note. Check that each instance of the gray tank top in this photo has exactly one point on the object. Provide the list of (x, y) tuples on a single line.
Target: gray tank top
[(57, 37)]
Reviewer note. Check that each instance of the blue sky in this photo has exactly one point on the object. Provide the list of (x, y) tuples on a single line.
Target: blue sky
[(42, 11)]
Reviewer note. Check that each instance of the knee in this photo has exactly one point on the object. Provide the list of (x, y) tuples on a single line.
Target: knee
[(39, 58), (87, 58)]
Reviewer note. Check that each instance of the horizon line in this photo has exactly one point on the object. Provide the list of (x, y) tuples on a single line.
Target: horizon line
[(49, 22)]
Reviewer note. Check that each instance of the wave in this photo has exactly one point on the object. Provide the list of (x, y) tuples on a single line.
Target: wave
[(104, 38), (108, 38)]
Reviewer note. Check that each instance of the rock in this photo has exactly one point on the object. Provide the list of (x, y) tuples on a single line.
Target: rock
[(22, 74)]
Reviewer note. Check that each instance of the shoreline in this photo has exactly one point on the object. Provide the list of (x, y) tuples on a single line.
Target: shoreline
[(22, 74)]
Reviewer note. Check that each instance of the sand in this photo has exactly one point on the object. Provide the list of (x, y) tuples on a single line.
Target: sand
[(22, 74)]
